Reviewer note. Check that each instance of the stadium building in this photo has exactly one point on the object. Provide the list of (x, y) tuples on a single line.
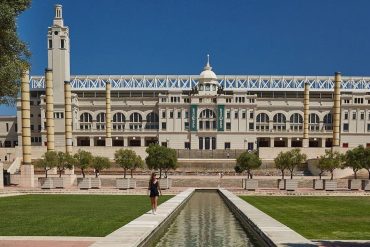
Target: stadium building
[(190, 112)]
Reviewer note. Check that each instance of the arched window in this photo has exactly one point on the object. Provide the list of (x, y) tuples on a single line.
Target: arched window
[(119, 121), (328, 122), (207, 120), (262, 122), (152, 121), (135, 121), (85, 121), (314, 122), (296, 122), (279, 122), (100, 121)]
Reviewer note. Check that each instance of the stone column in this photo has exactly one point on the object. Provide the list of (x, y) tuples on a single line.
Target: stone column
[(289, 142), (1, 176), (336, 110), (27, 170), (108, 118), (68, 116), (49, 110), (68, 123), (306, 114), (272, 142)]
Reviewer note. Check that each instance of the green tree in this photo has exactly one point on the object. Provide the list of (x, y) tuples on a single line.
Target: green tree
[(100, 163), (48, 161), (14, 54), (296, 159), (161, 157), (320, 164), (83, 160), (367, 160), (247, 162), (170, 160), (282, 162), (331, 161), (356, 159), (126, 159), (138, 163), (65, 161)]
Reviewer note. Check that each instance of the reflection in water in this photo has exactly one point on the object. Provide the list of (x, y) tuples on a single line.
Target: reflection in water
[(205, 221)]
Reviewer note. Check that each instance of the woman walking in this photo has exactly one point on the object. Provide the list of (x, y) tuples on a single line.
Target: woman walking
[(155, 190)]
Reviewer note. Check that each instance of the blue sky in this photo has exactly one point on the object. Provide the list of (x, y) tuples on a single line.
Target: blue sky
[(267, 37)]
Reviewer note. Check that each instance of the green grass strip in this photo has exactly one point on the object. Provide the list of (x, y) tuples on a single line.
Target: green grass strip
[(319, 217), (70, 215)]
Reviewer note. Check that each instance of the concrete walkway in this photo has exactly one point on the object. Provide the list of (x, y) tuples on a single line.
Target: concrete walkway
[(270, 230), (144, 226)]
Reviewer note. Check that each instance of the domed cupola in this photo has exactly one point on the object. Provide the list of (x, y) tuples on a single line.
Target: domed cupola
[(208, 84)]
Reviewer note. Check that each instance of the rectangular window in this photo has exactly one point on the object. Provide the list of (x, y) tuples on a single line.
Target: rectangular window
[(163, 114), (345, 144), (200, 143), (368, 127), (228, 114), (243, 114), (345, 127), (228, 126), (251, 115), (187, 145), (186, 127), (179, 114), (171, 114), (354, 115), (164, 126), (62, 43), (39, 127), (7, 127), (32, 127), (345, 115), (362, 115), (186, 114), (227, 145), (236, 114), (251, 126), (50, 44)]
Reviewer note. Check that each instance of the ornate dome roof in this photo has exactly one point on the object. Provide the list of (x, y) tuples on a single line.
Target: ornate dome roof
[(207, 73)]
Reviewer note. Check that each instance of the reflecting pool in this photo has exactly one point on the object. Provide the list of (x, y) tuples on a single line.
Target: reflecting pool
[(205, 220)]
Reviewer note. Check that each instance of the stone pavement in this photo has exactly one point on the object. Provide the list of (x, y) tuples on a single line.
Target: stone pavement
[(143, 227)]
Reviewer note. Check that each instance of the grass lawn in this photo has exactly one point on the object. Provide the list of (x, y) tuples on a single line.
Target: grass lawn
[(319, 217), (69, 215)]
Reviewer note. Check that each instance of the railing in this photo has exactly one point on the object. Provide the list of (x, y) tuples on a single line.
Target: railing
[(209, 154), (187, 82)]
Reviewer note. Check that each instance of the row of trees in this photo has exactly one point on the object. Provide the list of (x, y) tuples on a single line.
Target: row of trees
[(357, 159), (159, 158)]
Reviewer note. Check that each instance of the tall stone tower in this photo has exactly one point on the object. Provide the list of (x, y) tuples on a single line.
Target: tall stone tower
[(59, 62), (58, 54)]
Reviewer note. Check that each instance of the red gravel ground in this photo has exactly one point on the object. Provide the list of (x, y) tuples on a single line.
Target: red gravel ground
[(44, 243)]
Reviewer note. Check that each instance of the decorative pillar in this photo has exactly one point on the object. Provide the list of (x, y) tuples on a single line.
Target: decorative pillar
[(336, 109), (68, 122), (1, 176), (272, 142), (68, 116), (108, 118), (306, 114), (289, 142), (27, 169), (49, 110)]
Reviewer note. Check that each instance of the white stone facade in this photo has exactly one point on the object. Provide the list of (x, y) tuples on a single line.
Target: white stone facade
[(204, 117)]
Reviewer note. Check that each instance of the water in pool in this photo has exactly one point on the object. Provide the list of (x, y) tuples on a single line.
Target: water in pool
[(205, 221)]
